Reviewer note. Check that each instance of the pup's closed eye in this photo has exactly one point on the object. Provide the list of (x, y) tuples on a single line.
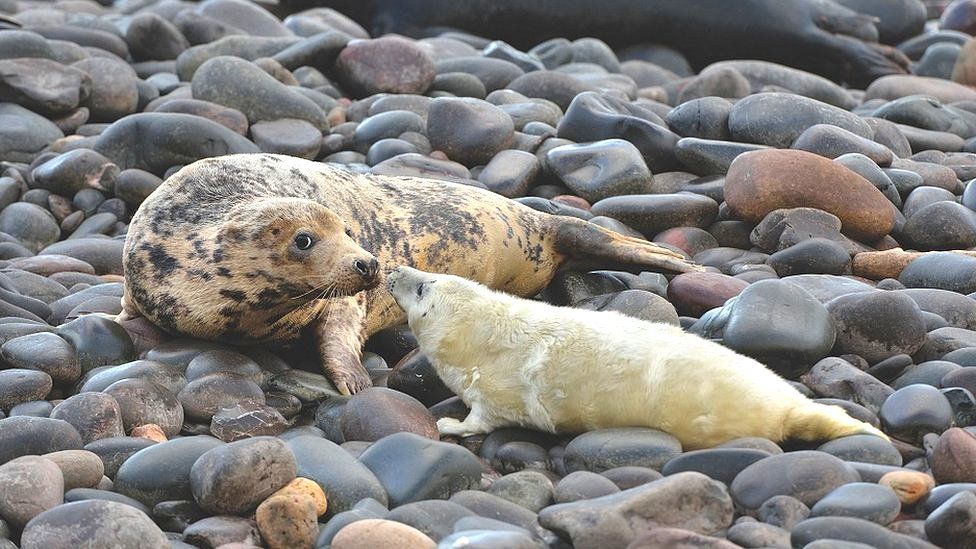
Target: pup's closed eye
[(420, 289)]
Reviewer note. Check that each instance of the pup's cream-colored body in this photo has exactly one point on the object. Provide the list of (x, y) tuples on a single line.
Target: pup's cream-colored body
[(519, 362)]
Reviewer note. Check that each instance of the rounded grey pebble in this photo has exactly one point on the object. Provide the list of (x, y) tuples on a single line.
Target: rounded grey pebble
[(235, 477), (859, 500), (92, 522)]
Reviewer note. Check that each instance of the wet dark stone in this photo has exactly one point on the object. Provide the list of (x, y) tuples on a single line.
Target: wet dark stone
[(591, 116), (25, 435), (435, 518), (813, 256), (912, 411), (99, 523), (953, 524), (202, 397), (862, 500), (705, 118), (114, 451), (161, 472), (98, 341), (340, 475), (863, 449), (804, 475), (177, 139), (235, 477), (852, 530), (722, 464), (94, 415), (653, 213), (44, 352), (18, 386), (795, 331), (413, 468), (145, 402), (604, 449)]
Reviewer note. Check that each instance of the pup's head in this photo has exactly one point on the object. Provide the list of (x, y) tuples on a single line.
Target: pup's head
[(424, 296), (301, 242)]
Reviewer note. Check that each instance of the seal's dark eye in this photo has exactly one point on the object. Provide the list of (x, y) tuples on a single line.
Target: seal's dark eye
[(420, 289), (304, 241), (349, 232)]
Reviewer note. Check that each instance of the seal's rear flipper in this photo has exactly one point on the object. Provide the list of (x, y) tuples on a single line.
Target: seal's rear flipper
[(818, 422), (584, 240)]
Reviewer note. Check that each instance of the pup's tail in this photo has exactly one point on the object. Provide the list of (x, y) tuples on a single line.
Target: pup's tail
[(584, 240), (819, 422)]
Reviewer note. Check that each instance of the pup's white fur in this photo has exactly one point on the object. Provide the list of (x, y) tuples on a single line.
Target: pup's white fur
[(558, 369)]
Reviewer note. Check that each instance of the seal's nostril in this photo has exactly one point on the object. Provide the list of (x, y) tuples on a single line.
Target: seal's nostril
[(361, 267)]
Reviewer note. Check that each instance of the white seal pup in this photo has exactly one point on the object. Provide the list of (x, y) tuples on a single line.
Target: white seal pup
[(517, 362)]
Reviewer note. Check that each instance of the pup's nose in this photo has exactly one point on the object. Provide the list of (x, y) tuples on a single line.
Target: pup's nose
[(367, 268)]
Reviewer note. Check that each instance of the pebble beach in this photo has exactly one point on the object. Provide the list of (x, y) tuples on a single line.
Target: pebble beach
[(836, 227)]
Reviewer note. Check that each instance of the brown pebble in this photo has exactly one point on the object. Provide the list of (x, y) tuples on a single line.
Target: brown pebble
[(79, 468), (288, 521), (953, 458), (381, 534), (302, 486), (151, 431), (909, 486)]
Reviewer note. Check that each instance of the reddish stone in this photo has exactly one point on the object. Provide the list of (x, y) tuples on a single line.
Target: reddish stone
[(694, 293), (759, 182), (954, 457)]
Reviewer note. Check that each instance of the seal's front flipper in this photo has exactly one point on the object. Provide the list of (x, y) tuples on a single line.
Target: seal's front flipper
[(582, 240), (837, 19), (860, 63), (129, 311), (339, 336)]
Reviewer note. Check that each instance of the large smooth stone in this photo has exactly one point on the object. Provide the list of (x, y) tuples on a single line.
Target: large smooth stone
[(242, 85), (877, 325), (234, 478), (31, 485), (341, 476), (468, 130), (805, 475), (777, 323), (862, 532), (953, 524), (859, 500), (414, 468), (941, 270), (156, 142), (44, 84), (605, 449), (161, 472), (92, 523), (93, 415), (594, 171), (389, 64), (26, 435), (591, 117), (778, 119), (685, 500), (762, 181), (912, 411), (653, 213)]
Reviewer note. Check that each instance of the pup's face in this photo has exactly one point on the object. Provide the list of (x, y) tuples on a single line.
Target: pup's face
[(412, 290)]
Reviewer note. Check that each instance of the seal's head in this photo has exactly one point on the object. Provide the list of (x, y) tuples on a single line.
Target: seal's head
[(299, 242)]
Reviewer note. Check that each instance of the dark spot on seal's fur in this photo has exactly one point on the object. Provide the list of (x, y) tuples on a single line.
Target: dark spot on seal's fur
[(225, 272), (163, 263), (200, 273), (267, 298), (235, 295)]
